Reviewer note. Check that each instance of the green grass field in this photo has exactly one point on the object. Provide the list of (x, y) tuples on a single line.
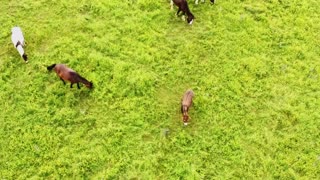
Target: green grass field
[(253, 64)]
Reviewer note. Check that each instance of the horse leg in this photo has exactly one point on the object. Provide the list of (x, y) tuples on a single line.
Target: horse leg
[(171, 5), (183, 17), (178, 11), (63, 81), (78, 86), (71, 85)]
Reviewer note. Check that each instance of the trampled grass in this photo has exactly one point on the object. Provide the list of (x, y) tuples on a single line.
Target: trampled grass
[(253, 65)]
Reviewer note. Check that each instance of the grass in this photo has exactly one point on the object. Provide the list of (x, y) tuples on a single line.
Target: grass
[(253, 65)]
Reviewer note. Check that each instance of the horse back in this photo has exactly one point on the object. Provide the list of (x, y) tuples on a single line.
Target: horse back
[(187, 98), (17, 36), (64, 72), (177, 2), (182, 4)]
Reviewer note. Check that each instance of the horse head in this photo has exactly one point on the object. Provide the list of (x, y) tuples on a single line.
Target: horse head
[(89, 85), (185, 119), (25, 57), (190, 18)]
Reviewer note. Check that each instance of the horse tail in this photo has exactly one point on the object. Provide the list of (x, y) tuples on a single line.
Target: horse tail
[(51, 67)]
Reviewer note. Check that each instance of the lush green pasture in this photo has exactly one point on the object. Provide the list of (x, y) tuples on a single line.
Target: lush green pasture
[(253, 64)]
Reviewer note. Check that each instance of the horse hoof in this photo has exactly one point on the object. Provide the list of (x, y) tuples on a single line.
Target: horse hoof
[(27, 62)]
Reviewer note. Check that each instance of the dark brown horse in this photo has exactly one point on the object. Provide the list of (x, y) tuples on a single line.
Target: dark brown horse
[(183, 6), (186, 103), (67, 74)]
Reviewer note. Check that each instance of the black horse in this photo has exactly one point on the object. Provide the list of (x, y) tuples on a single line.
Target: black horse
[(183, 6), (212, 1)]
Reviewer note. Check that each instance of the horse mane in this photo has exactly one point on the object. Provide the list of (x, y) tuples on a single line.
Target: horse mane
[(18, 43), (188, 10)]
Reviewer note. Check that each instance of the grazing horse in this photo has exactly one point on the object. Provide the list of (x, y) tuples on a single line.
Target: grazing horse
[(18, 42), (67, 74), (212, 1), (186, 103), (183, 6)]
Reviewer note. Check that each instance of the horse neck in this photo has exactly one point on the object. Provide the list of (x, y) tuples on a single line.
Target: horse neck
[(185, 115), (188, 12), (185, 109), (82, 79)]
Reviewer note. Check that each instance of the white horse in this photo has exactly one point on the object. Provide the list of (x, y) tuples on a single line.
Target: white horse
[(18, 42)]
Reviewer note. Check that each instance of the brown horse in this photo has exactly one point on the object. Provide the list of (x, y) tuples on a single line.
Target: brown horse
[(186, 103), (183, 6), (67, 74)]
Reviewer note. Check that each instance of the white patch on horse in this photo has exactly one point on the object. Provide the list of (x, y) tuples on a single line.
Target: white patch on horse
[(198, 1), (18, 41), (17, 36), (183, 17), (171, 4), (20, 50)]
